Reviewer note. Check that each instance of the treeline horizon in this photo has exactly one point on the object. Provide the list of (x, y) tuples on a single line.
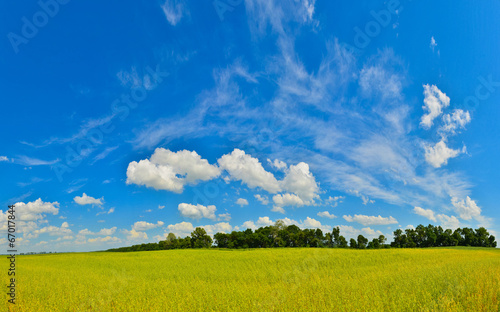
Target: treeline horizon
[(281, 235)]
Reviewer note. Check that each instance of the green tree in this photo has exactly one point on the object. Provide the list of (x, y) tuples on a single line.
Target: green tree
[(362, 241), (200, 239), (352, 243)]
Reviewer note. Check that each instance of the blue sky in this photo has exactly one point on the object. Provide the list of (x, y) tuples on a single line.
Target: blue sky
[(124, 121)]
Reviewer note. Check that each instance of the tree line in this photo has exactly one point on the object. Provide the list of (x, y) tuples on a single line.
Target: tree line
[(281, 235)]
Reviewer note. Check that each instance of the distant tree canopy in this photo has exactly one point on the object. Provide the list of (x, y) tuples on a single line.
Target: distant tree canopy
[(281, 235)]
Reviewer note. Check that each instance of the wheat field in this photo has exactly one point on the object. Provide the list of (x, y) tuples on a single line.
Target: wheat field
[(302, 279)]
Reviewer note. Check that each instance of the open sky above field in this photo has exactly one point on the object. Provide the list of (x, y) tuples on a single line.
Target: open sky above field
[(126, 120)]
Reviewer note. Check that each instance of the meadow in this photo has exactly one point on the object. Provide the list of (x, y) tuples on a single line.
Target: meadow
[(280, 279)]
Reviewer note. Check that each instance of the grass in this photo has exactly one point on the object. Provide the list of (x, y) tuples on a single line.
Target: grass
[(436, 279)]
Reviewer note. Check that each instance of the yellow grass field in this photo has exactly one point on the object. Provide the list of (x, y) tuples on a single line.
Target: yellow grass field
[(441, 279)]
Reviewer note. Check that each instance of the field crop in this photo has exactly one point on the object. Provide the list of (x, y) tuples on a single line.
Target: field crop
[(300, 279)]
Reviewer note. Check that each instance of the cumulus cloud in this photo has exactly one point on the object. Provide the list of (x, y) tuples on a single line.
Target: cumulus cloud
[(3, 158), (170, 171), (107, 239), (224, 217), (308, 223), (434, 103), (277, 164), (174, 10), (88, 200), (282, 200), (466, 209), (264, 200), (454, 122), (370, 220), (104, 231), (144, 226), (36, 210), (243, 167), (439, 154), (222, 227), (134, 235), (198, 211), (427, 213), (350, 232), (448, 222), (242, 202), (300, 181), (249, 225), (52, 231), (326, 214), (181, 229), (335, 201)]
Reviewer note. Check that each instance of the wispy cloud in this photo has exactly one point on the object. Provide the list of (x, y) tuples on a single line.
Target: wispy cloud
[(174, 11), (29, 161), (103, 154)]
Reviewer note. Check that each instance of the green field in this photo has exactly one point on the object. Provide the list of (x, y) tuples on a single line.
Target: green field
[(301, 279)]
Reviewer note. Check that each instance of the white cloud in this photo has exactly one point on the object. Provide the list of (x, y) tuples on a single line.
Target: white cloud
[(308, 223), (198, 211), (107, 239), (170, 171), (224, 217), (264, 221), (222, 227), (104, 231), (283, 200), (35, 210), (454, 122), (3, 158), (88, 200), (326, 214), (350, 232), (110, 211), (448, 222), (427, 213), (145, 226), (134, 235), (278, 164), (181, 229), (370, 220), (161, 207), (52, 231), (264, 200), (28, 161), (248, 170), (173, 10), (467, 209), (433, 44), (242, 202), (300, 181), (375, 79), (439, 154), (435, 101), (249, 225)]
